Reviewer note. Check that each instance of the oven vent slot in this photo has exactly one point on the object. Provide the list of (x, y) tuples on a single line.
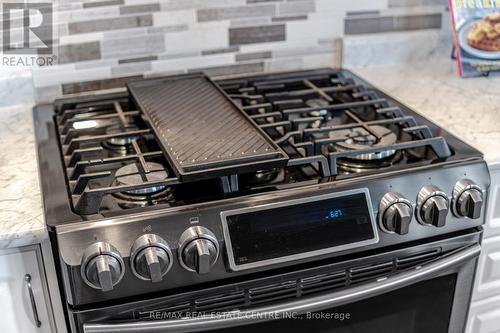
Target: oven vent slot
[(272, 292), (225, 302), (323, 282), (163, 312), (371, 272), (415, 260)]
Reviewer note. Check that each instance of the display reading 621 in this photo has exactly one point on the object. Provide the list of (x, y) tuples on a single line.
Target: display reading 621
[(335, 213)]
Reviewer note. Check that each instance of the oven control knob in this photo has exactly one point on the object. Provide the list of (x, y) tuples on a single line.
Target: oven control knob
[(150, 258), (102, 266), (395, 212), (198, 249), (432, 206), (467, 199)]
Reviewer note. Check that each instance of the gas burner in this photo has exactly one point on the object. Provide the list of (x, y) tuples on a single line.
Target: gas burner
[(317, 103), (120, 144), (359, 138), (131, 174), (261, 176), (131, 200), (85, 124), (349, 165)]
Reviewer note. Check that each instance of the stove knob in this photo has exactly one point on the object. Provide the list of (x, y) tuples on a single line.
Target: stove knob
[(432, 206), (198, 249), (102, 266), (150, 258), (467, 199), (395, 213)]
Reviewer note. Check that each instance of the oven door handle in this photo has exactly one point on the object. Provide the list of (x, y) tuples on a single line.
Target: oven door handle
[(306, 304)]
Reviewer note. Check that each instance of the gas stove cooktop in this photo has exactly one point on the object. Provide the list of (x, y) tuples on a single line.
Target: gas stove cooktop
[(183, 181), (190, 139)]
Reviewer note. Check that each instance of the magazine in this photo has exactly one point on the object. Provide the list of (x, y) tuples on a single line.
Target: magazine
[(476, 25)]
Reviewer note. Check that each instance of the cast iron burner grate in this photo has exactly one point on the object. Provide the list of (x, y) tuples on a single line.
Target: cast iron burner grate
[(317, 126), (342, 112), (95, 157)]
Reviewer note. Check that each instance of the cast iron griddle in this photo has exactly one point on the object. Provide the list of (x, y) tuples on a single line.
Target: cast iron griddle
[(201, 131)]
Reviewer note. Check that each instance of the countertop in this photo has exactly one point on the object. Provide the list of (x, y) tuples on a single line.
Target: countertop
[(21, 217), (468, 108)]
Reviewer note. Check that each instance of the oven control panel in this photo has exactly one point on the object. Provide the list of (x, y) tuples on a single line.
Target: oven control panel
[(185, 247), (432, 207)]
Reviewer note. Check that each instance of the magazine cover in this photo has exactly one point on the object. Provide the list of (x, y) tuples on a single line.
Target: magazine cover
[(476, 25)]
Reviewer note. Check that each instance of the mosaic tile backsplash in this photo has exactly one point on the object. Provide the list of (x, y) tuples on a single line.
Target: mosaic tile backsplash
[(103, 43)]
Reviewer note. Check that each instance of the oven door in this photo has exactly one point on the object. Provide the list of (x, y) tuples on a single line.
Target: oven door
[(433, 297)]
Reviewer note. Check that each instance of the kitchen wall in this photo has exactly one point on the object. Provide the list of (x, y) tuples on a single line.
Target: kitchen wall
[(102, 43)]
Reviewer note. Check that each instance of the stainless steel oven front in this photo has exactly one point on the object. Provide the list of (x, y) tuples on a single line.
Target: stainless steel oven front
[(425, 287)]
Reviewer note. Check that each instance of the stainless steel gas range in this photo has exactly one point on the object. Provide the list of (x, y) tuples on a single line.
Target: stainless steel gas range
[(301, 201)]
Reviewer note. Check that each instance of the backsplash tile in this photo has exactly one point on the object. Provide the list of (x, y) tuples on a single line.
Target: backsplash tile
[(218, 14), (102, 43), (414, 3), (260, 1), (224, 50), (102, 3), (296, 7), (79, 52), (261, 34), (363, 12), (119, 48), (253, 56), (79, 87), (141, 59), (110, 24), (289, 18), (256, 67), (363, 24), (131, 68), (250, 21), (417, 22), (144, 8)]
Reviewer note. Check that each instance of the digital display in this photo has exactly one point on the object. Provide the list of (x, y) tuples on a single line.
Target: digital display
[(287, 230), (335, 213)]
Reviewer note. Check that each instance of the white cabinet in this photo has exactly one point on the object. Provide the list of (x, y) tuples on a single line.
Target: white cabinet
[(487, 282), (492, 226), (23, 292), (484, 315)]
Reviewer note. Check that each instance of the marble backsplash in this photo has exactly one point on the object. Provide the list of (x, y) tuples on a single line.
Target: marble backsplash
[(101, 44)]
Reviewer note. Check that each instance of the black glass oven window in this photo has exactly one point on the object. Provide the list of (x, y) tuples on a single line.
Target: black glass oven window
[(289, 230), (424, 307)]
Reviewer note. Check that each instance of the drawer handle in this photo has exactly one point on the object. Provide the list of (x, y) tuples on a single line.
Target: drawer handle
[(306, 304), (27, 278)]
